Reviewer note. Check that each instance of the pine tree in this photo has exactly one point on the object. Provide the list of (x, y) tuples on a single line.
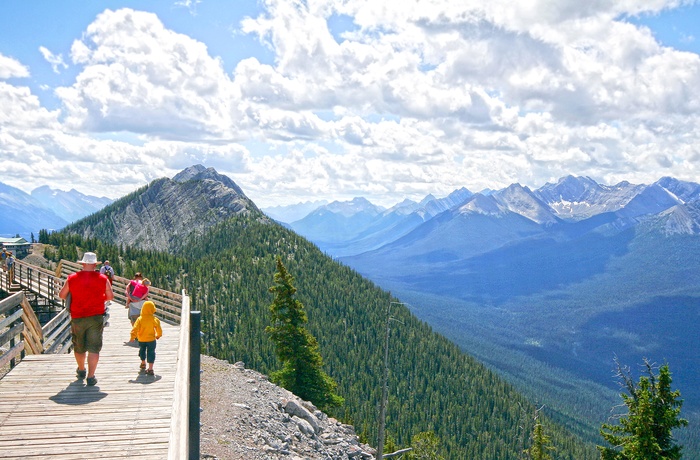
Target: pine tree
[(426, 446), (540, 444), (296, 348), (653, 412)]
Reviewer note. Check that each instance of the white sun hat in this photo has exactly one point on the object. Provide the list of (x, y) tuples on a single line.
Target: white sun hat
[(89, 258)]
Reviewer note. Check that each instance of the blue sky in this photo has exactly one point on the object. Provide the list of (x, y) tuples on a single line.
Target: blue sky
[(326, 99)]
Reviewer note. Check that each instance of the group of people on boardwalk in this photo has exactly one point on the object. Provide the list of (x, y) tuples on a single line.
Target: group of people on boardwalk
[(87, 292)]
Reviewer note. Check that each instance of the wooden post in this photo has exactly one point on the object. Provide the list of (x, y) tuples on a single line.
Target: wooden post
[(195, 370)]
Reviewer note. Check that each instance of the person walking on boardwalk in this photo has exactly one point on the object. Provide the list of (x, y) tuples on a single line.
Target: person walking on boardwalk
[(107, 271), (89, 290), (10, 262), (138, 296), (147, 330)]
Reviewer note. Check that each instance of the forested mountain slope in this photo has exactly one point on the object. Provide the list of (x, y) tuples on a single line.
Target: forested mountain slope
[(228, 267)]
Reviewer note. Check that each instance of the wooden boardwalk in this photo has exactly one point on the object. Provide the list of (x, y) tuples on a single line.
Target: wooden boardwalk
[(46, 412)]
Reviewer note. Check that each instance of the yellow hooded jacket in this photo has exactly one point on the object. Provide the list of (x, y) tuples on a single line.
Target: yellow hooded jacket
[(147, 327)]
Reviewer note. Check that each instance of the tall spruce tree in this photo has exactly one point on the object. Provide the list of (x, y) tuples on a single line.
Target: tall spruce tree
[(541, 444), (296, 348), (653, 412)]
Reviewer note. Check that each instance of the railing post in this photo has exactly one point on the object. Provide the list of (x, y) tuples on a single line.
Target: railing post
[(194, 396)]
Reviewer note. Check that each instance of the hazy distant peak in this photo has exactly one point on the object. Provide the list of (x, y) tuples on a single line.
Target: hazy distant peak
[(405, 207), (521, 200), (428, 198), (352, 207), (684, 191), (482, 204), (578, 198)]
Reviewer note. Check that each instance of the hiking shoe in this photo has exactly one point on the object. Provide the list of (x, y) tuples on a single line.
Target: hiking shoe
[(80, 374), (91, 381)]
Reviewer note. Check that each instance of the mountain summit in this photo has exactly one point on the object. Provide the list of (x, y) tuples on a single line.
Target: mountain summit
[(165, 213)]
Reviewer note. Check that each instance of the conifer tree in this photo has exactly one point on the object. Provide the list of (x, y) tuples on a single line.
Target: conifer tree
[(541, 444), (426, 446), (296, 348), (653, 412)]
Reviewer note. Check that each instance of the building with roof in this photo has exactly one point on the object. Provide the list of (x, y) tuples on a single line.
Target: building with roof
[(19, 247)]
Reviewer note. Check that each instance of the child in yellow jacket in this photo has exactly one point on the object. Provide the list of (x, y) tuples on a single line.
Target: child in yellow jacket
[(147, 330)]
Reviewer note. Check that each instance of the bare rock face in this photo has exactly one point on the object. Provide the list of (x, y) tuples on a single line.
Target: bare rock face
[(163, 215), (245, 417)]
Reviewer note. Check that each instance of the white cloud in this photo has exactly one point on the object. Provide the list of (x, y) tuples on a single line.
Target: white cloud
[(11, 68), (140, 77), (415, 97), (56, 60)]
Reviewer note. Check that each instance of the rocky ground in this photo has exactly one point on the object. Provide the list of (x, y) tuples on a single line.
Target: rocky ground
[(248, 418)]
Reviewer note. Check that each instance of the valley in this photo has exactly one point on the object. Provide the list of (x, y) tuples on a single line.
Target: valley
[(550, 287)]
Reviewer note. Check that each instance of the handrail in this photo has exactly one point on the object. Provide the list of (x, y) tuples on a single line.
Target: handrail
[(179, 436), (10, 309), (45, 283), (23, 331), (169, 303)]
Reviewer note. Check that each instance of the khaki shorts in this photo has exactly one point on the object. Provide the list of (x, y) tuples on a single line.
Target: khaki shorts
[(86, 333)]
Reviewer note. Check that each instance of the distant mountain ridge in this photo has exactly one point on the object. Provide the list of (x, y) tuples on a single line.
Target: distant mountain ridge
[(71, 205), (44, 208), (350, 228)]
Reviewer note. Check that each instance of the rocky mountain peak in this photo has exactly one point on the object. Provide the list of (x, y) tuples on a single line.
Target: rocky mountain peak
[(480, 204), (521, 200), (355, 206), (167, 212), (199, 172)]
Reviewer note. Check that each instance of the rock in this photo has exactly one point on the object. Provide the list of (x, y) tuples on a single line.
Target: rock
[(239, 423), (293, 407), (304, 426)]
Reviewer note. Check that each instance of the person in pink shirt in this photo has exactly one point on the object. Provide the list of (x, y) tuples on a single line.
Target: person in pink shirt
[(136, 295)]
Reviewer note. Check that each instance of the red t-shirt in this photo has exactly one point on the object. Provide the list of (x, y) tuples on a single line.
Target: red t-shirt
[(87, 291)]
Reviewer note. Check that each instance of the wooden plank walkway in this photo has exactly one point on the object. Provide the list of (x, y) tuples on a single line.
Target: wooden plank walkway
[(45, 412)]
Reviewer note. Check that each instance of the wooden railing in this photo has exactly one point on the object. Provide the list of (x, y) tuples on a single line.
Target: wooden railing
[(45, 283), (22, 332), (169, 304)]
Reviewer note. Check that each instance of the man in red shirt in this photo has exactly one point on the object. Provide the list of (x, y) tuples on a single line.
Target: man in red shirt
[(89, 290)]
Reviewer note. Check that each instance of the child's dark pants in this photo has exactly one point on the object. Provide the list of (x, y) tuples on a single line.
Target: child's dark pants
[(147, 351)]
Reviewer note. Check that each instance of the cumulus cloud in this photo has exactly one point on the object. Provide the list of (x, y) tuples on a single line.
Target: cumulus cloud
[(12, 68), (140, 77), (407, 98)]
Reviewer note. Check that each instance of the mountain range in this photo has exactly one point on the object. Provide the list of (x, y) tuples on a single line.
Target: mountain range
[(354, 227), (565, 278), (25, 214)]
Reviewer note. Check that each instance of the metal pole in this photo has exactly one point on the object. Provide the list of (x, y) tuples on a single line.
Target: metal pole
[(385, 384), (194, 400)]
